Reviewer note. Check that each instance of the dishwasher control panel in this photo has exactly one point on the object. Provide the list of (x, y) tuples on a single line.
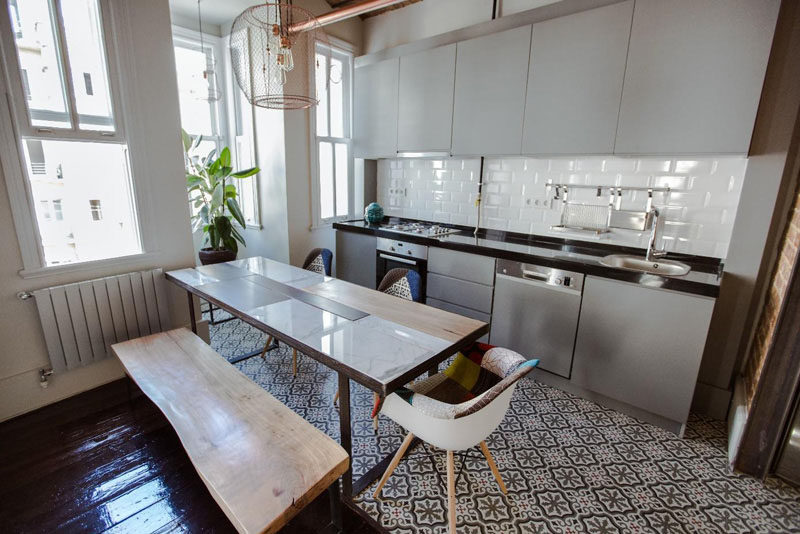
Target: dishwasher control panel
[(538, 273)]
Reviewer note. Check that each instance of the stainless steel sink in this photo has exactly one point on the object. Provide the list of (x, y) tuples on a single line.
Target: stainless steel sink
[(638, 263)]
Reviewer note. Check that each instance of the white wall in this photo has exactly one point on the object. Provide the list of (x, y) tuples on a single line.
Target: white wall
[(153, 133), (432, 17)]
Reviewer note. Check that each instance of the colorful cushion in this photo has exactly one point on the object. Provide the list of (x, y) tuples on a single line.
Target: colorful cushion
[(476, 377), (319, 260)]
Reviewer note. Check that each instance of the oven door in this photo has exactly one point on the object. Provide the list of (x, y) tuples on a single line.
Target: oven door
[(386, 261)]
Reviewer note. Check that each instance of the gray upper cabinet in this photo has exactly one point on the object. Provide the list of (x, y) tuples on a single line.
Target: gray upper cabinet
[(491, 75), (694, 75), (575, 78), (425, 117), (641, 346), (375, 110)]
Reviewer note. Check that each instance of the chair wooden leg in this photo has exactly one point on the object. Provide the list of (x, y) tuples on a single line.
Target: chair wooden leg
[(493, 467), (451, 492), (266, 348), (392, 466), (336, 397), (376, 398), (294, 362)]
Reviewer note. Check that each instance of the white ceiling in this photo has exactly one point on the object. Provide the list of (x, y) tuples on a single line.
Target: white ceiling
[(217, 12)]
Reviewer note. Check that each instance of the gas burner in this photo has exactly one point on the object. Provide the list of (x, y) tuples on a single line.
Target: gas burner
[(418, 228)]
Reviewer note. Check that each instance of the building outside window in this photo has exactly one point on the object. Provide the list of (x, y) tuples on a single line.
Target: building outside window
[(96, 210), (68, 127), (333, 182)]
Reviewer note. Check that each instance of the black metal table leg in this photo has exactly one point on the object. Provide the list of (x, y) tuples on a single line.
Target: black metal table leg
[(345, 431), (192, 318), (336, 507)]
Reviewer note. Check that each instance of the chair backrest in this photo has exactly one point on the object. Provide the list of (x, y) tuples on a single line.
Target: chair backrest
[(403, 283), (487, 371), (319, 260)]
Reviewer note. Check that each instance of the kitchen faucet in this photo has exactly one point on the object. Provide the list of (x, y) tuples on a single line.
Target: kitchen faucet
[(658, 222)]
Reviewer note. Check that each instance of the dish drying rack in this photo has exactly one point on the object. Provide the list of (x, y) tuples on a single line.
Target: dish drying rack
[(597, 219)]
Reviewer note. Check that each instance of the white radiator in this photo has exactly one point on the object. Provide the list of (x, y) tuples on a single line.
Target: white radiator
[(81, 321)]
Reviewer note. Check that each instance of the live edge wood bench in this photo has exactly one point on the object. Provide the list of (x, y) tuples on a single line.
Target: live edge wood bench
[(261, 461)]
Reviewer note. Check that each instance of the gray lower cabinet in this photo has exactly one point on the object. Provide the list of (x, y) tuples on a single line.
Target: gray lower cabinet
[(355, 258), (461, 283), (461, 310), (641, 346)]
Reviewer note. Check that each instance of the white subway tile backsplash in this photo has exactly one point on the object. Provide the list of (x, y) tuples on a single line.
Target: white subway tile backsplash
[(699, 210)]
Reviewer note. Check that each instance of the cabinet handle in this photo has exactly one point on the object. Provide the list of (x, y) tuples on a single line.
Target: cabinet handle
[(397, 258)]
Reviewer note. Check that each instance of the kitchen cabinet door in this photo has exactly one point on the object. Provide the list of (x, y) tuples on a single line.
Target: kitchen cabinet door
[(375, 110), (641, 346), (355, 258), (425, 117), (575, 78), (694, 75), (491, 75)]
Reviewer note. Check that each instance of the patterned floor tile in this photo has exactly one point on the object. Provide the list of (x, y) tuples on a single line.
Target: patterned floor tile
[(570, 465)]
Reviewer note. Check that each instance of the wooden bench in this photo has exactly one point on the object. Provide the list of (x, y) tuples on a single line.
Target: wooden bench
[(261, 461)]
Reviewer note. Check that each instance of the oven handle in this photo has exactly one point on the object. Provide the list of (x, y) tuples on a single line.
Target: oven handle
[(398, 258)]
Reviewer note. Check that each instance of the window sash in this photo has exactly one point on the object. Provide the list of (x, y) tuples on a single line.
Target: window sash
[(12, 156), (16, 84), (347, 61)]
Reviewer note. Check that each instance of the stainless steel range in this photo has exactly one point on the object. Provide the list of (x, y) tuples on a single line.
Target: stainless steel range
[(424, 229)]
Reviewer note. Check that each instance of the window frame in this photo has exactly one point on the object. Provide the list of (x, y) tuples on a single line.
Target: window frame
[(227, 109), (341, 50), (117, 43)]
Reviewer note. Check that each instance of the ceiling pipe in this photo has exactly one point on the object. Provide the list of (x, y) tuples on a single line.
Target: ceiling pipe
[(344, 13)]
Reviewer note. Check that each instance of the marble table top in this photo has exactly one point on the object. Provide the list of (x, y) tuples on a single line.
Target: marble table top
[(378, 340)]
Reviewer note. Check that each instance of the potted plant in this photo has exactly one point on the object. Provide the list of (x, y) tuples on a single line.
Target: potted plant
[(214, 199)]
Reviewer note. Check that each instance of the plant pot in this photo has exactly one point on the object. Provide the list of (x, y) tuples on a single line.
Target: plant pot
[(209, 256)]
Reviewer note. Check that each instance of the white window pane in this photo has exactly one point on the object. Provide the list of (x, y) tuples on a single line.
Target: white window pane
[(337, 99), (197, 112), (342, 160), (322, 95), (326, 180), (39, 60), (89, 212), (87, 60)]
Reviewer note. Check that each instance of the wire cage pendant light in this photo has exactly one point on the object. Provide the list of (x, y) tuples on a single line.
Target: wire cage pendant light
[(273, 50)]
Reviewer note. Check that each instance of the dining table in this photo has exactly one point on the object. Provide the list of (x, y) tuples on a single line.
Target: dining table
[(378, 340)]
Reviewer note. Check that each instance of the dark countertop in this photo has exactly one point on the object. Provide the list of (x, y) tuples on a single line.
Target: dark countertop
[(580, 256)]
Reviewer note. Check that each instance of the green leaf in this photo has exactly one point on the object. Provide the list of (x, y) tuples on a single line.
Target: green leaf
[(245, 173), (237, 235), (225, 157), (197, 141), (216, 197), (235, 211), (193, 179), (203, 214), (224, 172), (187, 141)]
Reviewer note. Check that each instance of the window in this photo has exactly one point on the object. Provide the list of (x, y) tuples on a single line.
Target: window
[(96, 210), (201, 107), (204, 109), (334, 155), (58, 213), (67, 120)]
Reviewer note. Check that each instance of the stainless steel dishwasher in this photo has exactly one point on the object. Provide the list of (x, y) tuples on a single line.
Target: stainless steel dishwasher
[(535, 313)]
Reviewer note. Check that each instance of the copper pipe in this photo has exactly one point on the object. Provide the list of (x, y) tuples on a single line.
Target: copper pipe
[(344, 13)]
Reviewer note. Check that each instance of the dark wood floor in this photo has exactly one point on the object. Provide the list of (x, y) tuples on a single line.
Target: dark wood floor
[(99, 462)]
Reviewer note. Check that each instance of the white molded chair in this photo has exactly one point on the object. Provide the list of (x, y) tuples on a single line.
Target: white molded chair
[(458, 408)]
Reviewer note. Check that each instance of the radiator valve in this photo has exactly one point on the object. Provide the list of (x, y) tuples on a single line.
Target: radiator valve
[(44, 375)]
